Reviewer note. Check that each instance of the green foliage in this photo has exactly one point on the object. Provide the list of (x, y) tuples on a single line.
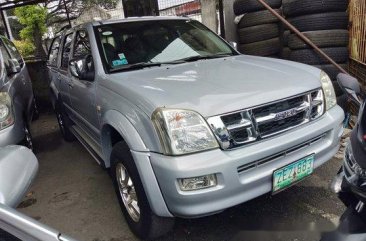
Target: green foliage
[(33, 18), (26, 48)]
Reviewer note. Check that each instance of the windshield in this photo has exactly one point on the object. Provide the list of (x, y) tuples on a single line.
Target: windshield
[(159, 41)]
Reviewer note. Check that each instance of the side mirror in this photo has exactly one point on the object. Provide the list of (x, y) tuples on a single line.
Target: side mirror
[(13, 67), (234, 45), (15, 181), (348, 83), (82, 68)]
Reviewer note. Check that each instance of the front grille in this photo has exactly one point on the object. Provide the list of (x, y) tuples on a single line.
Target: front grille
[(245, 126)]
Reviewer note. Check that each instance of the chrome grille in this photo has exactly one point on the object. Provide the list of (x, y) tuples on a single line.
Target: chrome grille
[(246, 126)]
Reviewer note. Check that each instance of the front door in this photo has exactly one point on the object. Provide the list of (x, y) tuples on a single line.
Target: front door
[(82, 92)]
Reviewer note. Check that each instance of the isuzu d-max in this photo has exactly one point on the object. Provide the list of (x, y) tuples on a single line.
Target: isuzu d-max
[(187, 125)]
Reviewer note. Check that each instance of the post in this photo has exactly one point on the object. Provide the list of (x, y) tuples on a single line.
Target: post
[(222, 19), (229, 16), (209, 15)]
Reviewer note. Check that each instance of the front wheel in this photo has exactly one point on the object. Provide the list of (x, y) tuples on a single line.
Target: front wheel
[(132, 198)]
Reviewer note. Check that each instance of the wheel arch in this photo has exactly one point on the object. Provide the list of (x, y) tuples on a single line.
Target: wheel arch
[(116, 127)]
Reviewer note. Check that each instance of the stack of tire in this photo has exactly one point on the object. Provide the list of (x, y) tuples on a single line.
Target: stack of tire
[(258, 29), (325, 22)]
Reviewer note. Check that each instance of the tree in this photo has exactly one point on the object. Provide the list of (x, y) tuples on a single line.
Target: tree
[(57, 11), (33, 18)]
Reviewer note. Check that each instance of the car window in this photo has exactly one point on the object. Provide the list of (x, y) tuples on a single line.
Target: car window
[(54, 50), (13, 51), (5, 54), (159, 41), (66, 51), (82, 44)]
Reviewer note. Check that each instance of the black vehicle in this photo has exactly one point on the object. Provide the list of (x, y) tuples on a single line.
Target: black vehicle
[(350, 182)]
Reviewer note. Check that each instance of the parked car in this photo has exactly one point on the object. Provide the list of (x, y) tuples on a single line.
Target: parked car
[(18, 168), (17, 102), (14, 183), (188, 126), (350, 182)]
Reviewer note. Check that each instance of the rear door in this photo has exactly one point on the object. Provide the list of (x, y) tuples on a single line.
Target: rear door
[(53, 64), (64, 77)]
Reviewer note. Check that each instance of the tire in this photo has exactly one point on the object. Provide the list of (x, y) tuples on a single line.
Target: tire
[(321, 38), (64, 123), (248, 6), (302, 7), (309, 56), (143, 223), (262, 48), (320, 21), (258, 33), (285, 38), (257, 18), (331, 70), (285, 53), (28, 140)]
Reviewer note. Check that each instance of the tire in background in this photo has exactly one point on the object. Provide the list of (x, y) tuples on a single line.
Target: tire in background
[(258, 18), (262, 48), (321, 38), (248, 6), (285, 38), (320, 21), (302, 7), (285, 53), (258, 33), (310, 56)]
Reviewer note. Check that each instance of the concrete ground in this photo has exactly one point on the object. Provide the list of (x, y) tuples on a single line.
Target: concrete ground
[(74, 195)]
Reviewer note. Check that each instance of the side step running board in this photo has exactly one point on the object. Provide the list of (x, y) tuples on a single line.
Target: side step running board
[(82, 138)]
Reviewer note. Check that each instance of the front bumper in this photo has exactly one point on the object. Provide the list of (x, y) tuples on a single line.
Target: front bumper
[(12, 135), (235, 186)]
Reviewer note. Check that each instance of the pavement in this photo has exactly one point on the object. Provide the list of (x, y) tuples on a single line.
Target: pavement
[(74, 195)]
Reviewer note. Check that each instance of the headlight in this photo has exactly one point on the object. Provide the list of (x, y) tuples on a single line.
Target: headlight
[(329, 93), (182, 131), (6, 114)]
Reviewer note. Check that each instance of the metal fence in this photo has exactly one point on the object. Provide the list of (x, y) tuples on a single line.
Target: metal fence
[(189, 8), (358, 30)]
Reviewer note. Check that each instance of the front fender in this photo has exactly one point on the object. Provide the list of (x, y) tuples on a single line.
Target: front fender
[(123, 126)]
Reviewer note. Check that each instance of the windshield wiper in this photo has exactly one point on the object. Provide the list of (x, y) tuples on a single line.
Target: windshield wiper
[(199, 57), (134, 66)]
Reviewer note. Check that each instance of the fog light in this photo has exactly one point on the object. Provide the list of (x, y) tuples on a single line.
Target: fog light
[(195, 183)]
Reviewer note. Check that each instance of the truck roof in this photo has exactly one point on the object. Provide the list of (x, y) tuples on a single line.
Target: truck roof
[(137, 19)]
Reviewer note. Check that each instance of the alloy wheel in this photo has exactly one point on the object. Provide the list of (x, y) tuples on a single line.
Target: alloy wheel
[(127, 192)]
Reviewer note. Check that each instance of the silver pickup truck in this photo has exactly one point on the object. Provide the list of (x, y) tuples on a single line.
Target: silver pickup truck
[(188, 126)]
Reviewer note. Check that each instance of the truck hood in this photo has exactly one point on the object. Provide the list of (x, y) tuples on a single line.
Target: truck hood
[(215, 86)]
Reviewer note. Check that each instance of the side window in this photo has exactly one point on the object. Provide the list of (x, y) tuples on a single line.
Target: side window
[(82, 44), (13, 51), (54, 50), (5, 54), (66, 51)]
